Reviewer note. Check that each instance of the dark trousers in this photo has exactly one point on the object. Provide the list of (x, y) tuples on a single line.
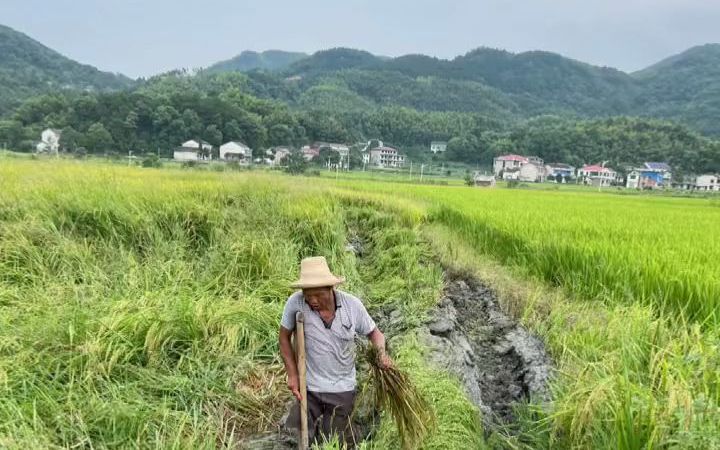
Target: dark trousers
[(328, 415)]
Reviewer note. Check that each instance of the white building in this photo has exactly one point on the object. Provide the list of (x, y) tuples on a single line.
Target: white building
[(508, 164), (707, 183), (438, 146), (597, 175), (386, 157), (483, 180), (532, 173), (280, 154), (342, 149), (49, 141), (236, 151), (190, 151), (633, 180)]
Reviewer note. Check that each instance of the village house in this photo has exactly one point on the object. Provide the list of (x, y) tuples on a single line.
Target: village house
[(386, 157), (559, 172), (707, 183), (650, 176), (191, 151), (342, 149), (597, 175), (438, 147), (372, 143), (236, 151), (280, 154), (508, 164), (49, 141), (532, 173), (662, 168), (310, 152), (483, 180), (536, 160)]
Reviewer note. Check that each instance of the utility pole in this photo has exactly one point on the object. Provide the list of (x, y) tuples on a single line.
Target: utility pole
[(129, 157), (411, 170), (422, 169), (602, 175)]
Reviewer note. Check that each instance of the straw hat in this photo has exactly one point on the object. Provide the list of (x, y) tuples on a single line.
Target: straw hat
[(314, 272)]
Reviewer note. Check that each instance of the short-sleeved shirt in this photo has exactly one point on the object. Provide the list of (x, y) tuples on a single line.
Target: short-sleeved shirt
[(330, 352)]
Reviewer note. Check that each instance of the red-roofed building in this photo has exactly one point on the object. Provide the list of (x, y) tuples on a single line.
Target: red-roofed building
[(310, 152), (507, 167), (597, 175)]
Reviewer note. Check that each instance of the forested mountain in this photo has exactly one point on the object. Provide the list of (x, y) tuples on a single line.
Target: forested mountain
[(537, 82), (29, 68), (684, 87), (270, 60), (484, 103)]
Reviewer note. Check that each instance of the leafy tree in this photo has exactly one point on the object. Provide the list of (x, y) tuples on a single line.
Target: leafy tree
[(296, 163), (12, 133), (281, 134), (70, 139), (213, 135), (328, 156), (98, 138)]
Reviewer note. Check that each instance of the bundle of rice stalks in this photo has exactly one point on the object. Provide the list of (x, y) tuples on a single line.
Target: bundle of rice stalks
[(394, 393)]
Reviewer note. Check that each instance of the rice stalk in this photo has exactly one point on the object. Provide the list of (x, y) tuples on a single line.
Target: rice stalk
[(396, 394)]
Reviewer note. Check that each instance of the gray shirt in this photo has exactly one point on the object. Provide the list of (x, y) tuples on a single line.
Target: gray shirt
[(330, 352)]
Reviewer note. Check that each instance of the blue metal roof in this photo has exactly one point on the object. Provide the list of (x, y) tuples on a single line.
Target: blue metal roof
[(657, 166)]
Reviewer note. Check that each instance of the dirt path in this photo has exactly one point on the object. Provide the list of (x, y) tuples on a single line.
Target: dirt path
[(497, 360)]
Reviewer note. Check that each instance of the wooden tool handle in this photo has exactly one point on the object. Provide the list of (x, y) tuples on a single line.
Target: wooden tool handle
[(303, 443)]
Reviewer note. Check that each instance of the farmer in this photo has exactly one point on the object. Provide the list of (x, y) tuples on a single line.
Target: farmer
[(332, 320)]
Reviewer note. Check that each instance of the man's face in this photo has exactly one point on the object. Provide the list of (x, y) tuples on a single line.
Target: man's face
[(318, 297)]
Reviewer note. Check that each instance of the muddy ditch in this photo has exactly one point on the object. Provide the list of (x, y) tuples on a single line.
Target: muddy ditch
[(500, 363)]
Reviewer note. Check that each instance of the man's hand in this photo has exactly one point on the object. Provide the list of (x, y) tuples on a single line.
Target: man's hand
[(294, 386), (384, 361)]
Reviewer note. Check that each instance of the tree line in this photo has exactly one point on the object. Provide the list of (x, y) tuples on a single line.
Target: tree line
[(168, 110)]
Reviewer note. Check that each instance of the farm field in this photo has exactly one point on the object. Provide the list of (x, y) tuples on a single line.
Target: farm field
[(140, 306)]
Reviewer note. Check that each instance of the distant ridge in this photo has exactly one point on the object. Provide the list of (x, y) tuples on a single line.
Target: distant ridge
[(271, 60), (28, 68)]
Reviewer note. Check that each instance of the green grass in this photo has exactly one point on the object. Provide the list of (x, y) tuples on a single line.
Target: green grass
[(139, 307), (638, 367)]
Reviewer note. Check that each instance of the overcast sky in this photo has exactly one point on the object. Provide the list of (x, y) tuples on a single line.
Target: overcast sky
[(144, 37)]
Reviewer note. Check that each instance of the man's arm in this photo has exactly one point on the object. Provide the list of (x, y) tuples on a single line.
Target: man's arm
[(378, 341), (288, 356)]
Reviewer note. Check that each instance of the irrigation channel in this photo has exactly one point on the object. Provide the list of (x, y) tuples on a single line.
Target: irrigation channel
[(498, 362)]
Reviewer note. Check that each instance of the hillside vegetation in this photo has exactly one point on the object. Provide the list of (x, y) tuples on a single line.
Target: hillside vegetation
[(29, 68), (484, 103), (171, 109), (249, 60)]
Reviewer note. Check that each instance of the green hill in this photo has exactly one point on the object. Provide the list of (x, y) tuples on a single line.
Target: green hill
[(684, 87), (28, 68), (249, 60), (534, 82)]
